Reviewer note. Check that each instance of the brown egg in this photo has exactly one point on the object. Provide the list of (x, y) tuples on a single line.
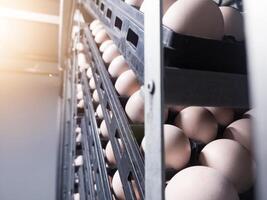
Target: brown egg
[(95, 96), (136, 3), (177, 147), (200, 183), (110, 154), (117, 66), (92, 84), (104, 130), (135, 107), (197, 123), (199, 18), (240, 131), (101, 36), (232, 160), (89, 73), (94, 24), (104, 45), (97, 29), (224, 116), (166, 5), (118, 189), (233, 22), (99, 112), (110, 53), (127, 83)]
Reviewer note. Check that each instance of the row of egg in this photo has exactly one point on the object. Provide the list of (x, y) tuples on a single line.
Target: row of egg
[(199, 18)]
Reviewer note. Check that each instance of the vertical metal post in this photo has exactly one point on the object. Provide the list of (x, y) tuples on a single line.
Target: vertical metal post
[(256, 32), (154, 156)]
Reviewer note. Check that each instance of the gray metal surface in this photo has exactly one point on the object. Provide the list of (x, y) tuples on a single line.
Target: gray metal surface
[(154, 158), (256, 32), (29, 132)]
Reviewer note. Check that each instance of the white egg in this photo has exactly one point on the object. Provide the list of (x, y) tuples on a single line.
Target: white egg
[(110, 53), (78, 130), (95, 96), (92, 84), (89, 73), (79, 137), (232, 160), (80, 104), (110, 154), (199, 18), (117, 66), (104, 130), (200, 183), (79, 46), (79, 87), (79, 95), (99, 112), (94, 24), (78, 161), (104, 45), (127, 83), (101, 36), (97, 29)]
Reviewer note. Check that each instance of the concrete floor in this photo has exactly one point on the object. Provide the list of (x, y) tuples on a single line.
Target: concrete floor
[(29, 136)]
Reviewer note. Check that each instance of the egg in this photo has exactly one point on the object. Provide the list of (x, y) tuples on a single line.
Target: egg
[(94, 24), (104, 45), (92, 84), (104, 130), (80, 104), (135, 107), (79, 46), (136, 3), (232, 160), (233, 22), (97, 29), (79, 87), (76, 196), (110, 53), (127, 83), (166, 4), (200, 183), (78, 130), (79, 95), (240, 131), (79, 137), (224, 116), (78, 161), (82, 61), (176, 147), (117, 66), (199, 18), (249, 114), (99, 112), (101, 36), (89, 73), (110, 154), (197, 123), (118, 188), (95, 96)]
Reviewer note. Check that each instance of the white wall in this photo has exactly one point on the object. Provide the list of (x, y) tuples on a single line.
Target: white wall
[(29, 136)]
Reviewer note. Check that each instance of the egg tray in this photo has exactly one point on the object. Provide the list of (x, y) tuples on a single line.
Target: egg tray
[(67, 169), (124, 24), (129, 160), (94, 163)]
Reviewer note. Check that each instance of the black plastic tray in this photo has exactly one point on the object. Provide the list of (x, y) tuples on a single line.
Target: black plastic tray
[(129, 162), (125, 26)]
